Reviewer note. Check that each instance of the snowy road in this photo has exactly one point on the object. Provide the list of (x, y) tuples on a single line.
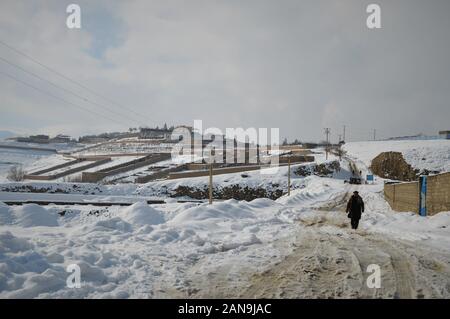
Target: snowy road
[(330, 260), (325, 265)]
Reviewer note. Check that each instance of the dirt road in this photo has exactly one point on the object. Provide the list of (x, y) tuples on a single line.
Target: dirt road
[(330, 260)]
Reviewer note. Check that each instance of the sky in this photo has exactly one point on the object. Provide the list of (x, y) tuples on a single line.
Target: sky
[(299, 66)]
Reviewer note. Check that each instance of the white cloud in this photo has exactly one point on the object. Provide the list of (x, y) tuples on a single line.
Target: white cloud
[(288, 64)]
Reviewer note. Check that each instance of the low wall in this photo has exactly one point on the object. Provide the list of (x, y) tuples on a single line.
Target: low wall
[(199, 166), (216, 171), (404, 197), (224, 170), (296, 159), (160, 174), (68, 172), (92, 177), (53, 168), (438, 193)]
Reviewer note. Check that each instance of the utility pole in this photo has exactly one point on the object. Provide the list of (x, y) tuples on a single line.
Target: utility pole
[(210, 179), (374, 134), (289, 175), (327, 134)]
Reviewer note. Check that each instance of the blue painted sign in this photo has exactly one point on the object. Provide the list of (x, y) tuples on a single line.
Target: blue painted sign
[(369, 178)]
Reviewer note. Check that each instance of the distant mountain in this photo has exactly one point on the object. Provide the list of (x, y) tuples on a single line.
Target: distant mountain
[(6, 134)]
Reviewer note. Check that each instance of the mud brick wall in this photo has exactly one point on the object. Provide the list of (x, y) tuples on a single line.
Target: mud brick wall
[(67, 172), (53, 168), (438, 193), (218, 171), (93, 177), (403, 197), (296, 159)]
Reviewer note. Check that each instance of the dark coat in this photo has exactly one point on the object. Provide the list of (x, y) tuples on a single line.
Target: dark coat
[(355, 207)]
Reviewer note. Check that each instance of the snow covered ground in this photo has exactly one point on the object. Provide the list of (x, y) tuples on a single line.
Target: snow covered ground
[(14, 157), (181, 250), (433, 155), (31, 159), (296, 246)]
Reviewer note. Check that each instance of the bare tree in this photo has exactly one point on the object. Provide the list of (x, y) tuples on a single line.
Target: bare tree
[(16, 173)]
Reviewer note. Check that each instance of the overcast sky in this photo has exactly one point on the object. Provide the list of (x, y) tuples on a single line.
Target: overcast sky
[(296, 65)]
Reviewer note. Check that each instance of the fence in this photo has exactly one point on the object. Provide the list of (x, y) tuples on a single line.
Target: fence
[(406, 197)]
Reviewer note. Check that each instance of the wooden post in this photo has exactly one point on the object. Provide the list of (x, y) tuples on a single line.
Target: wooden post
[(289, 175)]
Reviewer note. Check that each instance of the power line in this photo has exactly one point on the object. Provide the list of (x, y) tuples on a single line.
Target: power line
[(58, 98), (69, 79), (327, 134), (66, 90)]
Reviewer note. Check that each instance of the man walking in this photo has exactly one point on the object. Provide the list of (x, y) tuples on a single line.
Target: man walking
[(355, 207)]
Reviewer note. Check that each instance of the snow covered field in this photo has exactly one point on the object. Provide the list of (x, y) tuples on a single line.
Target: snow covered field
[(32, 159), (13, 157), (293, 247)]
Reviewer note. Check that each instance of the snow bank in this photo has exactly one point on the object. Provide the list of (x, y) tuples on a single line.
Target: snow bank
[(25, 273), (227, 210), (6, 216), (432, 155), (142, 214), (31, 215)]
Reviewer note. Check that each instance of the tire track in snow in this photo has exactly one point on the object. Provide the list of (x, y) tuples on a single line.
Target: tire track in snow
[(330, 261), (329, 266)]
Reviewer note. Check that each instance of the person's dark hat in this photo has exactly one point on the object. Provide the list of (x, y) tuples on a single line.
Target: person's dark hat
[(356, 192)]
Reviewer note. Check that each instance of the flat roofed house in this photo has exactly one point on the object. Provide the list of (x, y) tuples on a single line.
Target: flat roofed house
[(154, 133)]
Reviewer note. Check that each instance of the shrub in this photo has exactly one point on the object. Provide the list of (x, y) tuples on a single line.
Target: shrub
[(16, 173)]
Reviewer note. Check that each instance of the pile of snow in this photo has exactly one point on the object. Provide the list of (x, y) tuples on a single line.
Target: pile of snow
[(29, 215), (227, 210), (24, 273), (6, 216), (116, 247), (316, 190), (432, 155), (141, 214), (32, 215)]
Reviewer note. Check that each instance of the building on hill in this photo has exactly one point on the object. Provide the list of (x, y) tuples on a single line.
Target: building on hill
[(61, 139), (92, 139), (154, 133), (444, 135), (40, 139)]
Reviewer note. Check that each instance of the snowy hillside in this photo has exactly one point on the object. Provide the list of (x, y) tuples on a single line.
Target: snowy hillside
[(178, 250), (433, 155), (13, 157), (231, 248)]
